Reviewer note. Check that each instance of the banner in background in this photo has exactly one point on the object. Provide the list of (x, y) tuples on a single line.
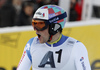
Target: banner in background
[(12, 45)]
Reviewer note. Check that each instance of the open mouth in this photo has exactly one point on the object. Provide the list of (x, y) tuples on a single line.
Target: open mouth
[(38, 35)]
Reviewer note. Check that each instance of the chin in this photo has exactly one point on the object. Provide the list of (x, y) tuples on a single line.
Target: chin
[(41, 42)]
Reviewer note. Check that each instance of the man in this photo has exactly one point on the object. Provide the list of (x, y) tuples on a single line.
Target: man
[(51, 50), (25, 16)]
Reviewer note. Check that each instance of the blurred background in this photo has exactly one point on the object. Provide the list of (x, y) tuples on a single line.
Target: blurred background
[(83, 24)]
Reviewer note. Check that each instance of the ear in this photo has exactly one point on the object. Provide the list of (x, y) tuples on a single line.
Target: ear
[(54, 28)]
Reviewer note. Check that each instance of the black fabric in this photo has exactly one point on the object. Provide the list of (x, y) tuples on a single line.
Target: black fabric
[(7, 14), (23, 19), (51, 29), (73, 15), (96, 11)]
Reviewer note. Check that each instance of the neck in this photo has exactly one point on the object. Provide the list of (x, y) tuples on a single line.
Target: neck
[(55, 38)]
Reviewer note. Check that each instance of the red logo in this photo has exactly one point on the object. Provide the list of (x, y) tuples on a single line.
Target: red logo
[(43, 14), (82, 58)]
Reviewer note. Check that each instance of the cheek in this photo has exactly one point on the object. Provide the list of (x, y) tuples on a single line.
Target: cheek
[(45, 33)]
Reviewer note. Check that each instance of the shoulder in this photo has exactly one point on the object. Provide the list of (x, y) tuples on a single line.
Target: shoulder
[(71, 41), (79, 48), (33, 40), (30, 40), (77, 45)]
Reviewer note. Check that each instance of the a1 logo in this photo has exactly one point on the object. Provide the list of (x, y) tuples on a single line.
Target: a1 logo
[(49, 56)]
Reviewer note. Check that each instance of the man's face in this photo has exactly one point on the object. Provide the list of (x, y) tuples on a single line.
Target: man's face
[(43, 36), (41, 30)]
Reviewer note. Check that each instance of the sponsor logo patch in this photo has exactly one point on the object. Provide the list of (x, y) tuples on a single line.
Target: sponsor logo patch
[(82, 62), (41, 14)]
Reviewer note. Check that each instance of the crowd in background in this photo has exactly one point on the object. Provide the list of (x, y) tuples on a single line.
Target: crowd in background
[(76, 7), (20, 12), (75, 10)]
